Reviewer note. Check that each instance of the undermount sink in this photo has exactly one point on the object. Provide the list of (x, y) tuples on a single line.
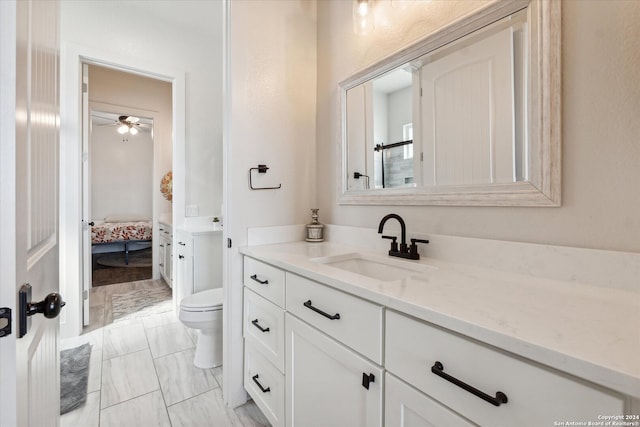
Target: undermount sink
[(374, 267)]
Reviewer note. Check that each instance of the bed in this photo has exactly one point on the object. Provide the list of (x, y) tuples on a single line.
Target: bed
[(122, 233)]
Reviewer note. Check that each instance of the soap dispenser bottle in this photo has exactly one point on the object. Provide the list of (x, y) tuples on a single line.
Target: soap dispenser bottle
[(315, 229)]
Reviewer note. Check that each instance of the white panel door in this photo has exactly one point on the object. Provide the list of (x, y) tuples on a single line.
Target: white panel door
[(30, 389), (463, 94)]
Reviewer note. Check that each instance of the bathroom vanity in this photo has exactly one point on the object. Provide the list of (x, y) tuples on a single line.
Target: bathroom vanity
[(344, 336)]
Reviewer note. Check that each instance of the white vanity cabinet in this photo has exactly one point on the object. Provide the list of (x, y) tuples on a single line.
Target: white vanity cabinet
[(165, 257), (264, 337), (343, 360), (484, 384)]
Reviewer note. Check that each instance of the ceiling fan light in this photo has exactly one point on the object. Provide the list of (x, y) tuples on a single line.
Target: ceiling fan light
[(123, 129), (133, 130), (133, 119)]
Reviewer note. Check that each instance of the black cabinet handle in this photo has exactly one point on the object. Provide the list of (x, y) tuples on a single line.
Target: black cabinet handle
[(367, 379), (328, 316), (500, 397), (262, 282), (255, 323), (255, 380)]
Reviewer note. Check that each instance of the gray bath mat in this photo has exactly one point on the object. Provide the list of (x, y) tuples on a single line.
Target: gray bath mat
[(74, 376), (140, 303)]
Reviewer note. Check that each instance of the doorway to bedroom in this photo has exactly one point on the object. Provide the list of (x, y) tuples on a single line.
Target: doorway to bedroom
[(127, 153), (121, 171)]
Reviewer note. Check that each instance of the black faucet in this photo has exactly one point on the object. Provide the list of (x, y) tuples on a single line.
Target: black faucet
[(404, 251)]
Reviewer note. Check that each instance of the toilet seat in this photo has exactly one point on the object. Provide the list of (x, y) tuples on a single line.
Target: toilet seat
[(209, 300)]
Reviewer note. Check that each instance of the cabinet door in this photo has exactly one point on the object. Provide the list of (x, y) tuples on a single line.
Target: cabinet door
[(326, 383), (162, 248), (407, 407)]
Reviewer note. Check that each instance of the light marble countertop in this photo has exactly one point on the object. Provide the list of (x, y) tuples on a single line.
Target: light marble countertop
[(587, 331)]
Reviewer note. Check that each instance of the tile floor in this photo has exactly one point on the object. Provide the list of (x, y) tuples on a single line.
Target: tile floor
[(141, 373)]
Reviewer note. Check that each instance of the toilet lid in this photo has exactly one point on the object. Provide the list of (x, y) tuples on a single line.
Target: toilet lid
[(200, 300)]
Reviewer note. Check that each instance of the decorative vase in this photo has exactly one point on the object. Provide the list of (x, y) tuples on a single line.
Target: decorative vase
[(315, 229)]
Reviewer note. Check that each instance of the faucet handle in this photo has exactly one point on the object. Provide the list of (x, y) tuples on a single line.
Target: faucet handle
[(413, 249), (414, 241), (394, 244)]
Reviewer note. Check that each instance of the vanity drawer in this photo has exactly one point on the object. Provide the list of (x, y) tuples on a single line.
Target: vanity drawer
[(535, 396), (265, 385), (264, 327), (265, 280), (350, 320)]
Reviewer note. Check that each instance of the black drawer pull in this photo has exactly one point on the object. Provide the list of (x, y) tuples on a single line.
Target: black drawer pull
[(255, 380), (328, 316), (255, 323), (500, 398), (262, 282)]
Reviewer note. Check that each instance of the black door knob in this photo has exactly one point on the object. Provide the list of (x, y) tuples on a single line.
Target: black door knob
[(50, 306), (92, 223)]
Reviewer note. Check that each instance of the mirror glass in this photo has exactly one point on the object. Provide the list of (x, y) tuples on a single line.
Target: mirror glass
[(458, 118)]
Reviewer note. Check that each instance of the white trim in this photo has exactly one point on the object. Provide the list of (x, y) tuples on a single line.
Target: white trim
[(8, 26), (71, 59), (233, 390)]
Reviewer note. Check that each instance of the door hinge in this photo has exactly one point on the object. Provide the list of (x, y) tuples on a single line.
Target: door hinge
[(422, 156), (85, 294), (228, 242), (85, 88), (5, 321)]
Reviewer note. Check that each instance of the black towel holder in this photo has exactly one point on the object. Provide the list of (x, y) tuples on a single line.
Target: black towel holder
[(260, 169)]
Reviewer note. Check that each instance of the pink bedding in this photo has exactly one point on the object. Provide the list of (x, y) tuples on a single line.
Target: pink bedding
[(110, 232)]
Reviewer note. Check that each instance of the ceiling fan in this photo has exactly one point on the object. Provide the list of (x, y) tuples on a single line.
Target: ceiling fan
[(125, 124), (128, 124)]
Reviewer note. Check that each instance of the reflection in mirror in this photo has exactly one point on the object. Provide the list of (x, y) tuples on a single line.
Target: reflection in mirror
[(386, 146), (465, 116)]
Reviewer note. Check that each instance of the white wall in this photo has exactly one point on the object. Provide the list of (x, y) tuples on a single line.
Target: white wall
[(183, 34), (270, 119), (400, 112), (601, 106), (121, 173)]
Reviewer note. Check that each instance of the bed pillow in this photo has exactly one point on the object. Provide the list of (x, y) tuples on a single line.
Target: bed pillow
[(126, 218), (97, 221)]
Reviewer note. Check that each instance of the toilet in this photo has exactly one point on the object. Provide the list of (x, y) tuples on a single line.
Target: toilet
[(203, 311)]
